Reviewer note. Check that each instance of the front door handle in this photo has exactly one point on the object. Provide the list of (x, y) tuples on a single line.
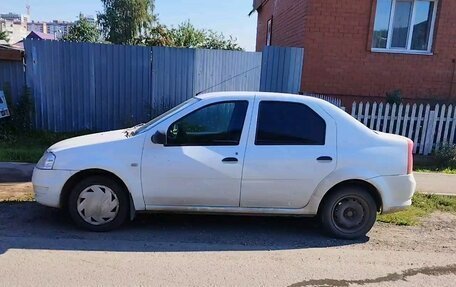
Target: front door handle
[(230, 160), (324, 158)]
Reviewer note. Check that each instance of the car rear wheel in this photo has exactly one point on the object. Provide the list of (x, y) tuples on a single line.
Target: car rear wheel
[(98, 203), (349, 212)]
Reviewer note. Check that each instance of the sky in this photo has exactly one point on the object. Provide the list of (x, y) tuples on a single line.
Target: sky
[(229, 17)]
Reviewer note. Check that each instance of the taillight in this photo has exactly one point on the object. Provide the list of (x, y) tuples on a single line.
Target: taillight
[(410, 157)]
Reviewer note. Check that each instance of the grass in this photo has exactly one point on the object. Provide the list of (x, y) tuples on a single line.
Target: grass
[(447, 170), (29, 147), (423, 204), (432, 164), (21, 154)]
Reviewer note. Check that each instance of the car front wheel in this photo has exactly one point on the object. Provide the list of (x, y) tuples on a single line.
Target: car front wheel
[(349, 212), (98, 203)]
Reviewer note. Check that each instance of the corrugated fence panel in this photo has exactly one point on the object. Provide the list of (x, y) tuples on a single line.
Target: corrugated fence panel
[(85, 86), (172, 77), (82, 86), (217, 70), (281, 69), (12, 72)]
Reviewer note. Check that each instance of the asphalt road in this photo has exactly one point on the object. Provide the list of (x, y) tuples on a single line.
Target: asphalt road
[(41, 247), (15, 172), (436, 183)]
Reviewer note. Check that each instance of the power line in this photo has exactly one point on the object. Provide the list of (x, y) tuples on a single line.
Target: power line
[(229, 79)]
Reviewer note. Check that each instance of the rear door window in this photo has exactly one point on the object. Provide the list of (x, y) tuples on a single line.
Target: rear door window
[(289, 123)]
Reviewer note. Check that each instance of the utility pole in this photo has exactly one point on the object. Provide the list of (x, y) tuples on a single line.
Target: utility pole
[(27, 7)]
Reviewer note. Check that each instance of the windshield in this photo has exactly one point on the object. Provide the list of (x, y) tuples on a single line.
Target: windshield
[(143, 127)]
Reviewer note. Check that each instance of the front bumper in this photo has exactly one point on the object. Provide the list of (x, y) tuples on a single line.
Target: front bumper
[(396, 191), (48, 184)]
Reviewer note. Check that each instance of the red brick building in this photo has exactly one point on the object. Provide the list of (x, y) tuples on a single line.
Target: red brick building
[(366, 48)]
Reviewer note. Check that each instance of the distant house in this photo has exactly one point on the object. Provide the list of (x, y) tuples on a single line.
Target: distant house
[(366, 48), (40, 36), (35, 36)]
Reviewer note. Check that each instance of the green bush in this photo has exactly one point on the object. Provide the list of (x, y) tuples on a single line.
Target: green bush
[(394, 97), (446, 156), (21, 115)]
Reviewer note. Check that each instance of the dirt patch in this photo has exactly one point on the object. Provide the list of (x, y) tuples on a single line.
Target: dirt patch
[(16, 192), (435, 233)]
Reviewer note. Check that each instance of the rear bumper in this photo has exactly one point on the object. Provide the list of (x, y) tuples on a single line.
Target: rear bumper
[(48, 184), (396, 191)]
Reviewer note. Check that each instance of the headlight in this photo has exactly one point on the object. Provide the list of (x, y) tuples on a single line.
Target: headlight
[(46, 161)]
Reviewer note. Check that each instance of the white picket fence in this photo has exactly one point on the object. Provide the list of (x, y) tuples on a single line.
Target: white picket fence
[(333, 100), (429, 128)]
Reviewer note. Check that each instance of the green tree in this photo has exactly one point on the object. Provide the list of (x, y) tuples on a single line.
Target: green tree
[(122, 21), (83, 31), (4, 36), (158, 35), (216, 40), (188, 36)]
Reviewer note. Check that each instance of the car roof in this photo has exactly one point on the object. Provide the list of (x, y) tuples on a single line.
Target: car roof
[(263, 95)]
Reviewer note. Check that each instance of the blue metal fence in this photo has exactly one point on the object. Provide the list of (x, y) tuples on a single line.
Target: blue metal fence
[(172, 77), (281, 69), (12, 73), (82, 86), (217, 70)]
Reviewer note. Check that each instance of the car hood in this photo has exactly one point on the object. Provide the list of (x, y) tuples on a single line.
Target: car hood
[(89, 140)]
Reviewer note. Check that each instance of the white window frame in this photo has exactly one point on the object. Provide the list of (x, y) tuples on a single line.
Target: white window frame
[(408, 50), (269, 24)]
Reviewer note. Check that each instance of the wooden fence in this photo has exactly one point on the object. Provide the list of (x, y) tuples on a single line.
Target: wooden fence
[(429, 127)]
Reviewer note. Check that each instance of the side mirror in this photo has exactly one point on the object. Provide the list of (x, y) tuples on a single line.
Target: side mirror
[(159, 138)]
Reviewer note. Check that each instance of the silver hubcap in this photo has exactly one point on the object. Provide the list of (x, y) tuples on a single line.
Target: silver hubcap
[(98, 204)]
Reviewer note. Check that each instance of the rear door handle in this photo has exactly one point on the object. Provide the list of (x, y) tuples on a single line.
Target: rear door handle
[(324, 158), (230, 160)]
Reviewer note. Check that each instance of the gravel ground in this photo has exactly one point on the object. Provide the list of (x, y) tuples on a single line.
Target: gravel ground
[(40, 246)]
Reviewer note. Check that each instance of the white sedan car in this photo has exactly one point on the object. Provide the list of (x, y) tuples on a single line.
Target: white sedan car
[(233, 153)]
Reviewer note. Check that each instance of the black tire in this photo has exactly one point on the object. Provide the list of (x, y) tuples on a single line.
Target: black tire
[(348, 213), (121, 210)]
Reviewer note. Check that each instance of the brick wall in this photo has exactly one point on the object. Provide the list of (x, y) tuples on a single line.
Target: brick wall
[(337, 40)]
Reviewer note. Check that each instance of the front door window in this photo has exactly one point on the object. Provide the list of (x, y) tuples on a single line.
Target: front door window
[(218, 124)]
